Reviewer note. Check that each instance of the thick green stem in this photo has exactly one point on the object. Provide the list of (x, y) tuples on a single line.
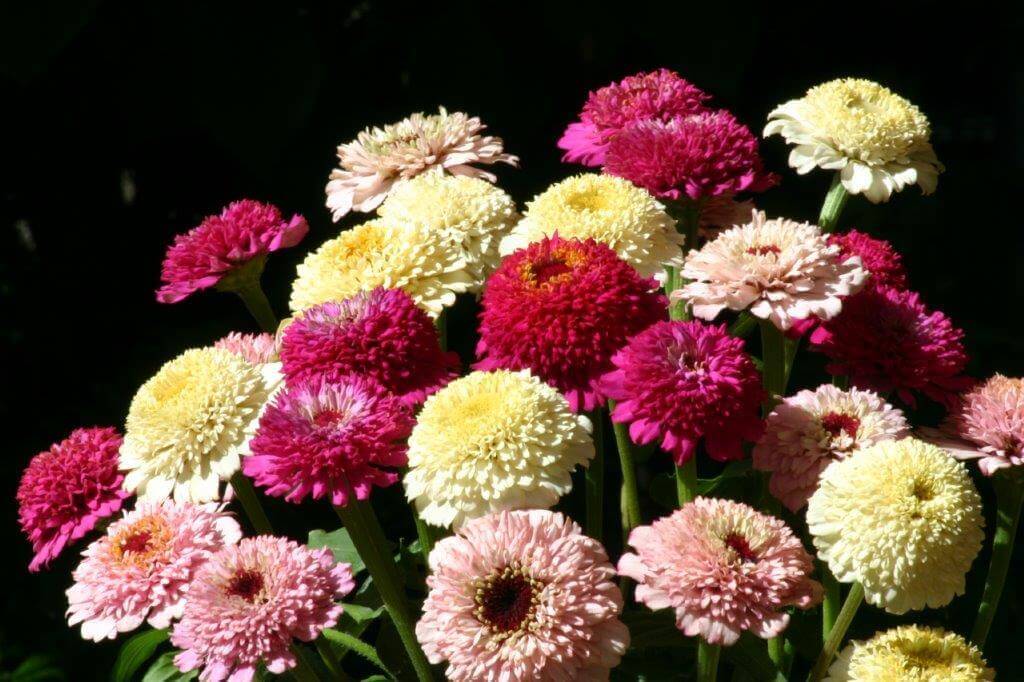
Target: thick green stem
[(687, 215), (424, 532), (835, 200), (743, 325), (830, 602), (630, 496), (686, 480), (777, 651), (707, 661), (773, 359), (835, 638), (246, 494), (1009, 494), (595, 480), (441, 323), (368, 538), (259, 307)]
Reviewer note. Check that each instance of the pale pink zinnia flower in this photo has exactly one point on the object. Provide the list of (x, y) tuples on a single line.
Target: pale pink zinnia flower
[(724, 568), (379, 157), (251, 600), (522, 596), (808, 431), (779, 269), (143, 567), (258, 349)]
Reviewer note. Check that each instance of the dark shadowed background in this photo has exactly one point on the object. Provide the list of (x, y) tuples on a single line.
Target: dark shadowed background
[(126, 122)]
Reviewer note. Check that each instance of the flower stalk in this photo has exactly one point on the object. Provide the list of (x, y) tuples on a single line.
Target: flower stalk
[(707, 661), (687, 215), (833, 206), (251, 503), (1009, 495), (828, 651), (594, 522), (830, 601), (258, 306), (630, 496), (686, 480)]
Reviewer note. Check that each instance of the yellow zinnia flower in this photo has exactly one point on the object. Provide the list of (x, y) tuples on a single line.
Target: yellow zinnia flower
[(910, 653)]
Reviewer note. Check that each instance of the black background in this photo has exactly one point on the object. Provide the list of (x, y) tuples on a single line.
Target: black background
[(126, 122)]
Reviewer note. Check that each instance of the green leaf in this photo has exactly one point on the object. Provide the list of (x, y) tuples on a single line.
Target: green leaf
[(347, 641), (340, 544), (376, 678), (164, 670), (37, 668), (751, 654), (135, 652), (655, 629), (732, 470), (362, 614), (663, 491)]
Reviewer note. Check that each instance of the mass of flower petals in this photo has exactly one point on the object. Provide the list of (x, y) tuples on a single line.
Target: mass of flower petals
[(684, 382), (143, 568), (258, 349), (912, 653), (370, 165), (722, 212), (877, 256), (903, 519), (808, 431), (887, 340), (251, 601), (660, 95), (491, 441), (724, 568), (522, 596), (561, 308), (66, 490), (208, 255)]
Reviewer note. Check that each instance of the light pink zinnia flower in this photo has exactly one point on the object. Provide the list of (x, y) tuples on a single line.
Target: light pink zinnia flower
[(143, 567), (779, 269), (522, 596), (378, 158), (66, 490), (243, 233), (258, 349), (810, 430), (251, 600), (724, 568)]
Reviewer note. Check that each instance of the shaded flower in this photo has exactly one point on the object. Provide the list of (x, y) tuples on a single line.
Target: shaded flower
[(258, 349), (910, 653), (722, 212)]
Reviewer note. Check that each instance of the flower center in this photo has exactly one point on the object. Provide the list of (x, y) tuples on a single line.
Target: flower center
[(741, 546), (506, 601), (547, 270), (328, 418), (764, 250), (836, 423), (141, 542), (587, 201), (246, 584), (136, 542)]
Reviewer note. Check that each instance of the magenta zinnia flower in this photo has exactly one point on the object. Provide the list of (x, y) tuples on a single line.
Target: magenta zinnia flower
[(660, 95), (561, 308), (258, 349), (66, 490), (338, 438), (887, 340), (683, 382), (251, 600), (522, 596), (724, 568), (143, 567), (243, 234), (877, 256), (381, 334)]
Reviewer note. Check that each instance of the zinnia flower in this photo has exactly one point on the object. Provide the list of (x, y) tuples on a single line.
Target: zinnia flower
[(378, 158), (877, 256), (382, 254), (141, 570), (807, 432), (380, 334), (188, 425), (903, 519), (606, 209), (722, 212), (683, 382), (699, 156), (338, 438), (660, 95), (561, 308), (887, 340), (779, 269), (522, 596), (251, 600), (491, 441), (66, 490), (258, 349), (911, 653), (468, 213), (878, 141), (227, 250), (723, 567)]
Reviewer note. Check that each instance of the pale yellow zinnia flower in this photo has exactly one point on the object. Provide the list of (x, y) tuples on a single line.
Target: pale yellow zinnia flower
[(910, 653)]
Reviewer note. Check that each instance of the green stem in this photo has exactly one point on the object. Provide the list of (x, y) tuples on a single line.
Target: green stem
[(424, 532), (258, 305), (830, 602), (368, 538), (835, 638), (630, 496), (330, 660), (687, 216), (595, 480), (841, 381), (773, 359), (686, 480), (304, 670), (835, 200), (441, 323), (1009, 494), (707, 661), (743, 325), (777, 651), (246, 494)]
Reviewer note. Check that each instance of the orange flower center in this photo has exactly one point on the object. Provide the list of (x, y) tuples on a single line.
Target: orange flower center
[(141, 542)]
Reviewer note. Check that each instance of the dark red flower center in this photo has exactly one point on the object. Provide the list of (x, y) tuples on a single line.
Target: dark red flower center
[(506, 601), (546, 270), (136, 542), (741, 546), (764, 250), (836, 423), (328, 418), (245, 584)]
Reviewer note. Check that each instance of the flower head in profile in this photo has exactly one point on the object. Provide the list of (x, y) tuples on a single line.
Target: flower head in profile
[(724, 568), (808, 431), (188, 425), (903, 519), (912, 653), (660, 95), (877, 256), (722, 212), (878, 141), (258, 349), (522, 596), (66, 490), (251, 601), (371, 165), (683, 382), (491, 441), (142, 569), (227, 247), (561, 308)]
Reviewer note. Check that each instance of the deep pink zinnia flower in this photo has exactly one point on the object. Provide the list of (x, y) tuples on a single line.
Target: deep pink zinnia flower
[(66, 490), (660, 95), (683, 382), (381, 334), (560, 308), (245, 231), (887, 340), (337, 438), (699, 156)]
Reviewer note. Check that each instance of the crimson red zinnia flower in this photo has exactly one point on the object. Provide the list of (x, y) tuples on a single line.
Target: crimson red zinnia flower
[(876, 255)]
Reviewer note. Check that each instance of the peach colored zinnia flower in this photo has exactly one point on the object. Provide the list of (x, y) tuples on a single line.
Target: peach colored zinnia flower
[(258, 349), (522, 596)]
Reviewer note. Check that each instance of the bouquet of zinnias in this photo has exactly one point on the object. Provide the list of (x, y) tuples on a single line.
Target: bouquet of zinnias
[(720, 512)]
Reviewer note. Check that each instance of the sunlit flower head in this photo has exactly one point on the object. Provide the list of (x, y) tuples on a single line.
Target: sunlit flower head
[(258, 349), (910, 653)]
